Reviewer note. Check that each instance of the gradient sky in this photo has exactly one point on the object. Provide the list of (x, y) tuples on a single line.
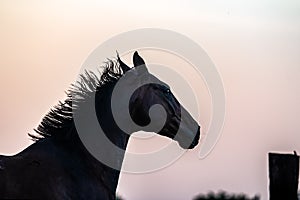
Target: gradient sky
[(254, 44)]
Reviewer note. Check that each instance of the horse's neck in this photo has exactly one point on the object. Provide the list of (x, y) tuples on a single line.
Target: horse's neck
[(108, 175)]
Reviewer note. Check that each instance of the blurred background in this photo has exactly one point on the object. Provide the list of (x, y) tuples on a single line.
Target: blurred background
[(255, 46)]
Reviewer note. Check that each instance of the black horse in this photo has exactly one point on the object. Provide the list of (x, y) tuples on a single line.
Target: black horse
[(58, 165)]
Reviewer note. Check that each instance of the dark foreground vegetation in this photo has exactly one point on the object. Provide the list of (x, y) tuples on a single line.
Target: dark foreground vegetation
[(224, 196), (218, 196)]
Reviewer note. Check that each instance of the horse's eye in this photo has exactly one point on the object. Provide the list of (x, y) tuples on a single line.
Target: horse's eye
[(168, 91)]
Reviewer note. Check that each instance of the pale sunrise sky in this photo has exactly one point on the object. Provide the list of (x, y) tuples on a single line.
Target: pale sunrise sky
[(254, 45)]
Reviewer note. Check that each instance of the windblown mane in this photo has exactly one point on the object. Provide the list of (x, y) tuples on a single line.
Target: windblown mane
[(59, 120)]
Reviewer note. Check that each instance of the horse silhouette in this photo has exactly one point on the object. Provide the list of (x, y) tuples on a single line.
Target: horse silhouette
[(59, 166)]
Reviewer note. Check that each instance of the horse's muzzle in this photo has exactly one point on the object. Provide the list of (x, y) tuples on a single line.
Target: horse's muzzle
[(190, 142), (196, 139)]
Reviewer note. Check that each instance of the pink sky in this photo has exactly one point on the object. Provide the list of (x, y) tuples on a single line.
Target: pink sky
[(255, 47)]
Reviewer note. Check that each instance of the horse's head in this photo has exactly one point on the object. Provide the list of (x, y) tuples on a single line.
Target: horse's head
[(178, 123)]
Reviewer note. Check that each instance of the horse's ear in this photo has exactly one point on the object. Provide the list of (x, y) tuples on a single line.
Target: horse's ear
[(123, 66), (139, 64), (137, 60)]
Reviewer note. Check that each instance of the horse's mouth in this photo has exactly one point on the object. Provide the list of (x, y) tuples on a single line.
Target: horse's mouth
[(187, 144)]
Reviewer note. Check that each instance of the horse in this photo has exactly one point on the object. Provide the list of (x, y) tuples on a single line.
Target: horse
[(59, 166)]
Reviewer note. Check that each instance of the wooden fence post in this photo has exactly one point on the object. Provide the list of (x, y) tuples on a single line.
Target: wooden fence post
[(283, 175)]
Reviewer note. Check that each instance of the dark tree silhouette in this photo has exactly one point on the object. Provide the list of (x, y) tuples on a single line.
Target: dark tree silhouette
[(222, 195)]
